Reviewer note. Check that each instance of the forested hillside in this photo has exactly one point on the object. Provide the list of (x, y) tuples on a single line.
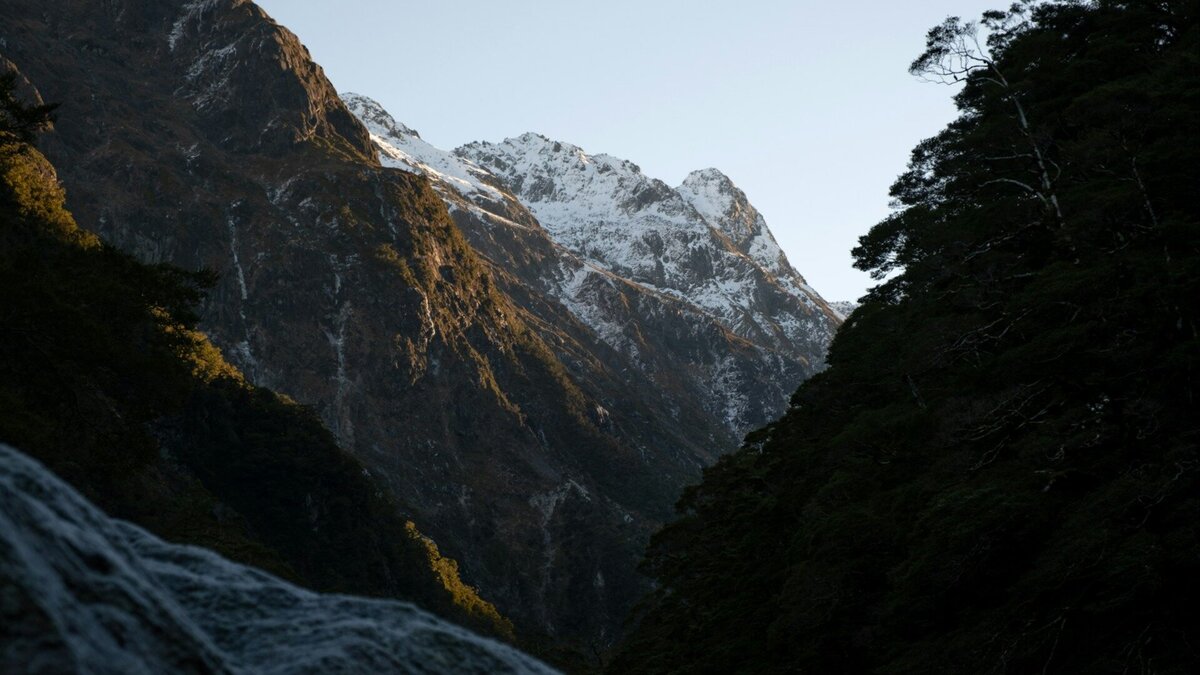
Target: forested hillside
[(998, 472), (104, 378)]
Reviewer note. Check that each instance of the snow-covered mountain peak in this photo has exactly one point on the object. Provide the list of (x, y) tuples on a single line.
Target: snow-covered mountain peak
[(564, 185), (621, 250), (401, 147), (723, 204), (703, 242), (373, 115), (727, 209), (710, 175)]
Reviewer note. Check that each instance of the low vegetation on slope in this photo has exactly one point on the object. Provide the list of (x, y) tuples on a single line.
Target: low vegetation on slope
[(104, 378), (998, 472)]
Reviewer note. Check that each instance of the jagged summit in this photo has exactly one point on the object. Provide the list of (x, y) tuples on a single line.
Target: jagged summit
[(401, 147), (712, 193), (544, 171), (703, 243), (373, 115), (725, 206)]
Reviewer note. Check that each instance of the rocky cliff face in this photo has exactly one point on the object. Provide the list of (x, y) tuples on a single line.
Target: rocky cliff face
[(537, 405)]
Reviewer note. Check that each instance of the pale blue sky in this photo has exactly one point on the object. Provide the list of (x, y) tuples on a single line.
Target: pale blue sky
[(806, 105)]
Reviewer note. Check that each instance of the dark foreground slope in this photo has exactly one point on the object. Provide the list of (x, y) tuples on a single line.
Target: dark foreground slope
[(84, 593), (104, 378), (998, 472)]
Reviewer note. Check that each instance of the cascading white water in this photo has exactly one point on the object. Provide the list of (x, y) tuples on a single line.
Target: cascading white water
[(82, 592)]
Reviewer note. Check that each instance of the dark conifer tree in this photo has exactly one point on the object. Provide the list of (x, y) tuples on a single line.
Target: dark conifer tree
[(998, 471), (20, 120)]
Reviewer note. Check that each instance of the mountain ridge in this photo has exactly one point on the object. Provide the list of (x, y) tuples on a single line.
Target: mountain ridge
[(469, 186), (433, 336), (348, 286)]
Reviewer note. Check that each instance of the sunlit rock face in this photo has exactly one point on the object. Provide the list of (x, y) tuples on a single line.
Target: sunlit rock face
[(81, 592), (535, 407), (206, 137)]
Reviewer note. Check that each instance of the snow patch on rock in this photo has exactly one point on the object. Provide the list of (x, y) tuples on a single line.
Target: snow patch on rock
[(403, 148)]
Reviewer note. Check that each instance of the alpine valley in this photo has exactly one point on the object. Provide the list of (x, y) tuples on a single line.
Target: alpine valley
[(285, 388), (522, 349)]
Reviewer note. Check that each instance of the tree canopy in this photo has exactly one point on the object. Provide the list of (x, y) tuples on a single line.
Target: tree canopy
[(20, 120), (998, 470)]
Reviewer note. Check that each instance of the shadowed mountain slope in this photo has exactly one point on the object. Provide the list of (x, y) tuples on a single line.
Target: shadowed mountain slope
[(201, 134)]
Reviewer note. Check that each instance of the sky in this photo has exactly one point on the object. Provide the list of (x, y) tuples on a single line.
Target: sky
[(808, 106)]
